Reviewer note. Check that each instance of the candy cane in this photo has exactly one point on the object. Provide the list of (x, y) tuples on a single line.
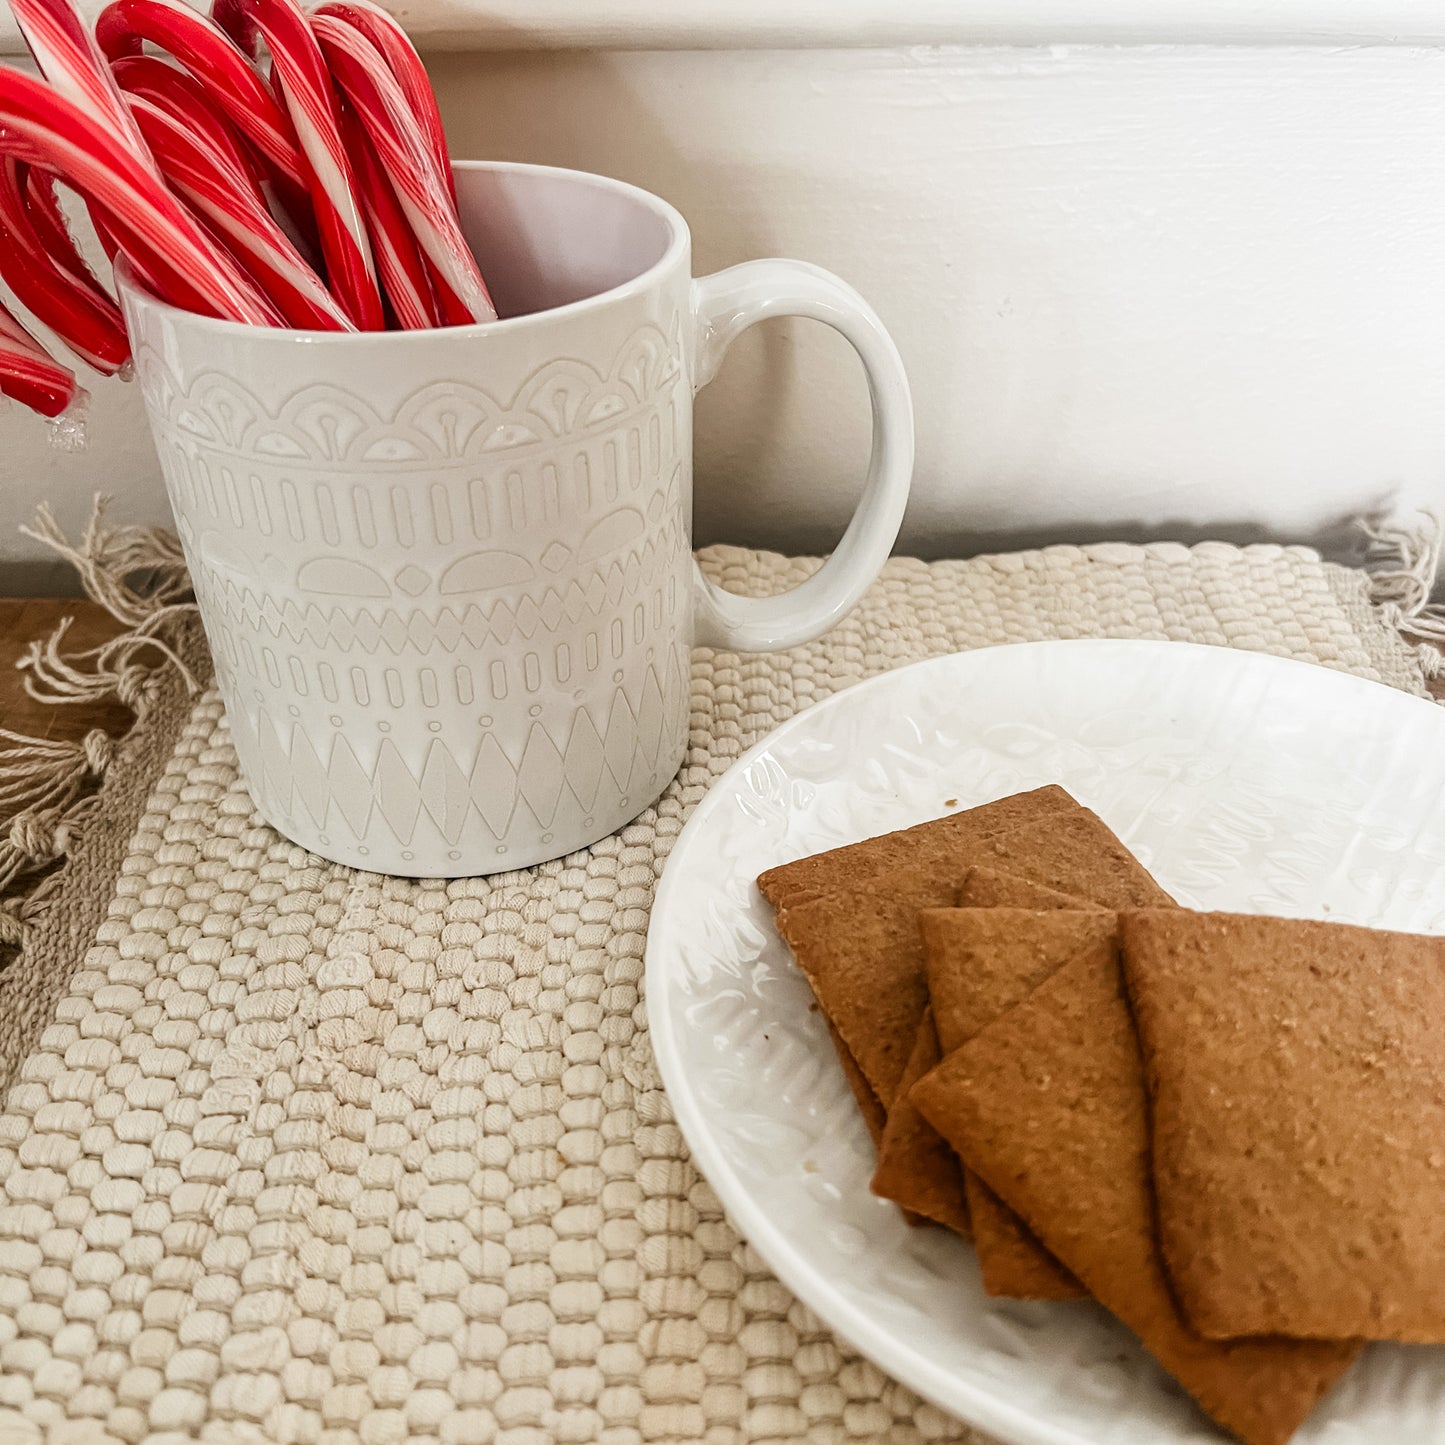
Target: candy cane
[(73, 65), (219, 190), (402, 267), (40, 126), (179, 93), (76, 71), (177, 164), (369, 87), (182, 96), (48, 220), (29, 374), (71, 61), (209, 54), (395, 47), (300, 73), (54, 231), (81, 315)]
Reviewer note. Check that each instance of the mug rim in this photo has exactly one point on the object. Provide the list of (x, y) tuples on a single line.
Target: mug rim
[(132, 289)]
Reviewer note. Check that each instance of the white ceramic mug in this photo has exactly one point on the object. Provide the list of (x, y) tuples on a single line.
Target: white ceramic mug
[(447, 575)]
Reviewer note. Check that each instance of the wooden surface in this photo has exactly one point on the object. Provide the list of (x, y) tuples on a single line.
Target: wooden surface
[(23, 621)]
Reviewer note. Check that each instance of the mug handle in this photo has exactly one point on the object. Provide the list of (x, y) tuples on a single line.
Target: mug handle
[(724, 305)]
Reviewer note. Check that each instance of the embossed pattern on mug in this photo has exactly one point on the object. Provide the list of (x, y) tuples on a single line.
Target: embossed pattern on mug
[(450, 626)]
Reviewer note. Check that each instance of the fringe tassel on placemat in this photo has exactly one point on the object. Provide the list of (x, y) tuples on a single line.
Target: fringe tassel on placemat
[(1404, 564), (47, 787)]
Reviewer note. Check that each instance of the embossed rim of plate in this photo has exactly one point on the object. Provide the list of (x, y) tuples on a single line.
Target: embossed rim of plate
[(983, 1409)]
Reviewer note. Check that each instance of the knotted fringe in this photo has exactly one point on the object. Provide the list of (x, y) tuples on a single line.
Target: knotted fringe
[(47, 787), (1404, 563)]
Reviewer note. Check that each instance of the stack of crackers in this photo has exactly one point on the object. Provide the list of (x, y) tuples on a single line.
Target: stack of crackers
[(1229, 1130)]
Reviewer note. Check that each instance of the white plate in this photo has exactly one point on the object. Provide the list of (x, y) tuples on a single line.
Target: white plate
[(1243, 781)]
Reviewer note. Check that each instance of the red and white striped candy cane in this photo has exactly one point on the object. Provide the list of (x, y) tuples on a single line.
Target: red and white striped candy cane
[(300, 73), (369, 87), (70, 60), (73, 65), (29, 374), (403, 269), (180, 95), (218, 188), (42, 127), (78, 312), (395, 47), (209, 54), (77, 74), (48, 220), (226, 189)]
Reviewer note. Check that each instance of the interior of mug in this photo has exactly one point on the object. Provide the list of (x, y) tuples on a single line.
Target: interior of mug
[(547, 238), (544, 238)]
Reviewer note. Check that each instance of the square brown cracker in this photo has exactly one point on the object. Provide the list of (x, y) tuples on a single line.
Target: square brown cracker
[(1048, 1105), (860, 948), (920, 1173), (981, 962), (863, 955), (875, 1116), (1012, 1261), (1074, 853), (916, 1167), (1296, 1074), (929, 850)]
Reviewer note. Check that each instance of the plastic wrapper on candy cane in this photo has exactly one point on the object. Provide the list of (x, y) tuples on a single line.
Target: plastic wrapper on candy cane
[(319, 197)]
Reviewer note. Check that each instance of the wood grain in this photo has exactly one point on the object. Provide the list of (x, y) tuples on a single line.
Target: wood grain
[(27, 620)]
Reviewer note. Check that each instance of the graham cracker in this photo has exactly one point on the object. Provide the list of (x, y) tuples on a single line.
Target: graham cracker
[(929, 850), (1312, 1204), (1074, 853), (875, 1116), (916, 1167), (863, 955), (1048, 1105), (1012, 1260), (988, 888), (981, 962), (859, 945), (921, 1174)]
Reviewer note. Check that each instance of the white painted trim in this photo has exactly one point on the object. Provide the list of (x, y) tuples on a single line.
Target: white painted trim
[(764, 24), (785, 24)]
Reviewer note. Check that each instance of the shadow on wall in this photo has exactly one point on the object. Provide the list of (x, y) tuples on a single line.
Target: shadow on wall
[(1340, 540), (612, 131)]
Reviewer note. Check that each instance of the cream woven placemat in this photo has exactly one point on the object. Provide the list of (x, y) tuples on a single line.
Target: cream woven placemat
[(293, 1153)]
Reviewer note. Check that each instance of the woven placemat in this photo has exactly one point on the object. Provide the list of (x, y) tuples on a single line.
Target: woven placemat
[(295, 1153)]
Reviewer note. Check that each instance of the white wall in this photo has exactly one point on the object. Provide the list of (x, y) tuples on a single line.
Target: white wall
[(1169, 290)]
